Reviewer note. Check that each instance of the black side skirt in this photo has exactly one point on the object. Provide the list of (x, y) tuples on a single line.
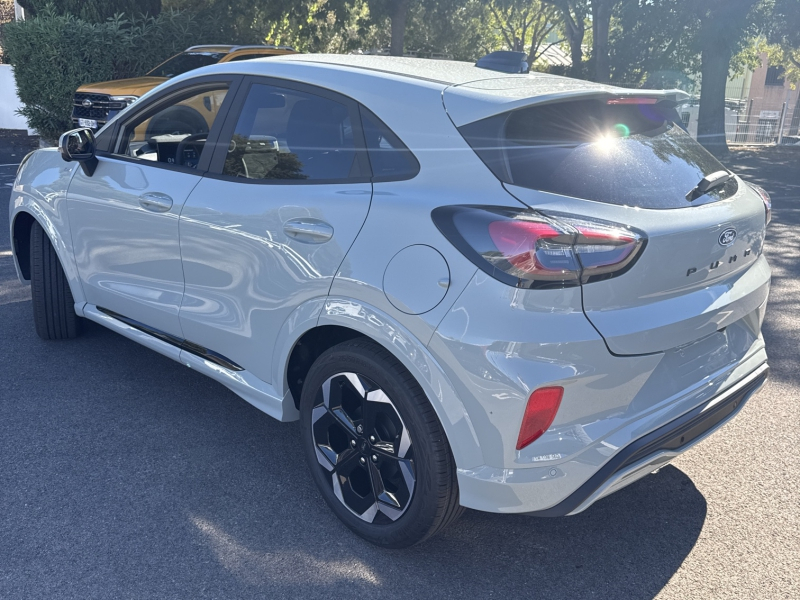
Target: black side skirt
[(191, 347)]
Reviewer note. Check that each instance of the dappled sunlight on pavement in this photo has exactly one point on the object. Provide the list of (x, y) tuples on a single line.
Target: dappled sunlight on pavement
[(290, 567)]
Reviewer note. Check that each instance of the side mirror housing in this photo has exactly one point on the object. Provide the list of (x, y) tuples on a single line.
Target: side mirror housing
[(78, 145)]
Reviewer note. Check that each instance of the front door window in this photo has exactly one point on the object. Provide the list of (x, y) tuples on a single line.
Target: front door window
[(176, 133)]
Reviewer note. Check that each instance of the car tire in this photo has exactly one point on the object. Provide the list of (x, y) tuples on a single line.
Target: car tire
[(393, 482), (53, 306)]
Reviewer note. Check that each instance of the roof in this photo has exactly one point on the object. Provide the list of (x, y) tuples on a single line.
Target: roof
[(469, 93), (447, 72), (228, 48)]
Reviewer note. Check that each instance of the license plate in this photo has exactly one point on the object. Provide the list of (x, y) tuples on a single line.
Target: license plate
[(87, 123)]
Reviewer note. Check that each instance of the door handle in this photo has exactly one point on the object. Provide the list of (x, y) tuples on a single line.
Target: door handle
[(312, 231), (155, 202)]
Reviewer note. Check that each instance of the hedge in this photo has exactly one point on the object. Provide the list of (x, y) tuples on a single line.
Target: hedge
[(55, 54)]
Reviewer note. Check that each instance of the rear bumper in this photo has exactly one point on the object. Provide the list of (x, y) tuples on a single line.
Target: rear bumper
[(656, 449)]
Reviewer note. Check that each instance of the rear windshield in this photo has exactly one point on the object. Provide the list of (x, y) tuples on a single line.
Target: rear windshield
[(628, 154), (177, 65)]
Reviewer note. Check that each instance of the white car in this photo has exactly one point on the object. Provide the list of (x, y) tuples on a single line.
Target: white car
[(515, 293)]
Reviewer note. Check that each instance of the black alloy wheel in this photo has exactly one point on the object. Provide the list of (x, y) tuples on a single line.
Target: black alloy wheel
[(360, 439), (375, 446)]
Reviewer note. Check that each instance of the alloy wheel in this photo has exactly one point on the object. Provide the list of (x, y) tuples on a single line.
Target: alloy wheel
[(361, 442)]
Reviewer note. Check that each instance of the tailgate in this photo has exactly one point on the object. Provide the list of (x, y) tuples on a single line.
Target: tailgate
[(686, 284)]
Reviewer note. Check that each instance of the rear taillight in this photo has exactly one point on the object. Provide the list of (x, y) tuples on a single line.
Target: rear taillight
[(539, 414), (766, 199), (532, 250)]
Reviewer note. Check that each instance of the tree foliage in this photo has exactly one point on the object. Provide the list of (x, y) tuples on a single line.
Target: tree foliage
[(94, 11), (573, 16), (654, 43), (49, 66), (524, 25)]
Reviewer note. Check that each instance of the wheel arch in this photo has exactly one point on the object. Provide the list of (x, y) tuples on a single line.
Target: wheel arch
[(22, 220), (335, 320), (21, 243)]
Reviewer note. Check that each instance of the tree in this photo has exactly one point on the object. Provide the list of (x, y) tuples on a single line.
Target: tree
[(654, 43), (397, 13), (573, 19), (724, 25), (460, 29), (601, 24), (524, 25), (783, 36)]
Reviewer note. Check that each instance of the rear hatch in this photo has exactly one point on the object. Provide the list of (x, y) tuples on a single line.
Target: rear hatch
[(624, 158)]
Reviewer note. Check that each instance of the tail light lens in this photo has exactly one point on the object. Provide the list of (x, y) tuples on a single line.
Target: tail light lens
[(766, 199), (539, 414), (529, 249)]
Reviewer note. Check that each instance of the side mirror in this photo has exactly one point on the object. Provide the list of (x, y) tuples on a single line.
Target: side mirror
[(78, 145)]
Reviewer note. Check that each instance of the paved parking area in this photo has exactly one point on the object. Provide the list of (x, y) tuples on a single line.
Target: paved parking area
[(125, 475)]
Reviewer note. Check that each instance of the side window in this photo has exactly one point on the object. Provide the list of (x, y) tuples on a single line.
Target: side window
[(176, 133), (388, 156), (285, 134)]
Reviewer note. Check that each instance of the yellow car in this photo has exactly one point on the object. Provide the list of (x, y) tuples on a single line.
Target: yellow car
[(96, 103)]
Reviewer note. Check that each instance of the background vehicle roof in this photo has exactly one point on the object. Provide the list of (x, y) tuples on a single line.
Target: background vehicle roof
[(228, 48)]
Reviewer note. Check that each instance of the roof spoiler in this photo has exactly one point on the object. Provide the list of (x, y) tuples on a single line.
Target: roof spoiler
[(504, 61)]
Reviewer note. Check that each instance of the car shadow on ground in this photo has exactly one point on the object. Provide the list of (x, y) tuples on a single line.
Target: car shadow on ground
[(128, 475)]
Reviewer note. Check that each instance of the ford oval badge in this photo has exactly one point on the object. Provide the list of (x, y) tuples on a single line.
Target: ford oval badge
[(727, 237)]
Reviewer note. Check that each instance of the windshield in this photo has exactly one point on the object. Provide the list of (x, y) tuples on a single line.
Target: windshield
[(627, 154), (185, 62)]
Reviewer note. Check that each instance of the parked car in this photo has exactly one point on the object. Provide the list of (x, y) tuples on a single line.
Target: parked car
[(514, 293), (95, 103)]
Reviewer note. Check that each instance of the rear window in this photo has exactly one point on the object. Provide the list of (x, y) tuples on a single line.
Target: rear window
[(630, 154)]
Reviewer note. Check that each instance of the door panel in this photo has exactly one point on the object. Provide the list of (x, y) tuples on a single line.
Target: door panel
[(124, 217), (272, 228), (128, 254), (246, 270)]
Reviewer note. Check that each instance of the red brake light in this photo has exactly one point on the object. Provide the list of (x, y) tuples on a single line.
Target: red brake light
[(528, 246), (539, 414), (632, 100)]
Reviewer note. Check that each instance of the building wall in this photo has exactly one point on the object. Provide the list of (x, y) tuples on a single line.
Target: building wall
[(766, 101), (9, 101)]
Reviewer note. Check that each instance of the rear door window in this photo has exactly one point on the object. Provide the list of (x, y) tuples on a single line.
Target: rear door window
[(285, 134), (626, 154)]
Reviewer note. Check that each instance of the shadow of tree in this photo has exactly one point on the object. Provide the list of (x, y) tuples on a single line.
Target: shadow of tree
[(777, 170)]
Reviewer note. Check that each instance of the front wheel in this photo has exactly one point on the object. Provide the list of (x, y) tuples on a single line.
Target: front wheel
[(53, 306), (375, 447)]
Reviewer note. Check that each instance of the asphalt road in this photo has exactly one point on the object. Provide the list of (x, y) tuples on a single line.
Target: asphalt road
[(125, 475)]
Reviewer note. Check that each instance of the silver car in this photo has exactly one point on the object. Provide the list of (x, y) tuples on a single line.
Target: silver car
[(512, 293)]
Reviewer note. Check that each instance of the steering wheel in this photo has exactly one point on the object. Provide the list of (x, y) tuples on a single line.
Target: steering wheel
[(190, 141)]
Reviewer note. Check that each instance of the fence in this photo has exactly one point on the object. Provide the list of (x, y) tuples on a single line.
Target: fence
[(761, 119), (744, 125)]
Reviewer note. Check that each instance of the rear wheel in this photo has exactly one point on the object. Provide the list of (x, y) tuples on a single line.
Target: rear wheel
[(53, 305), (375, 446)]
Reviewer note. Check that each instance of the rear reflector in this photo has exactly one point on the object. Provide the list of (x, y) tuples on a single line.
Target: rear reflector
[(539, 414), (764, 198)]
